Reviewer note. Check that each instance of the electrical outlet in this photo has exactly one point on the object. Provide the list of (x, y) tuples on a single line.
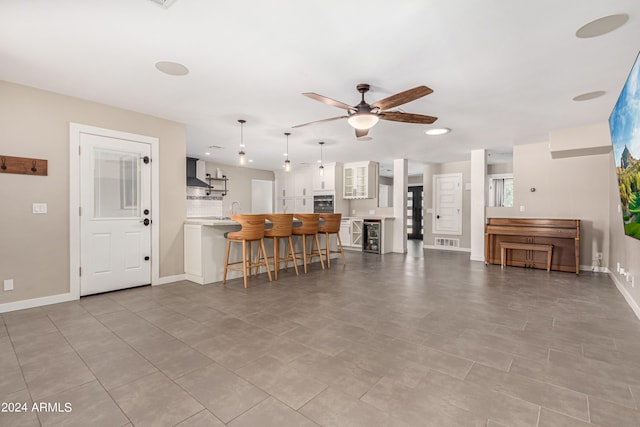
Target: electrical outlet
[(599, 256), (8, 284), (618, 267), (521, 208)]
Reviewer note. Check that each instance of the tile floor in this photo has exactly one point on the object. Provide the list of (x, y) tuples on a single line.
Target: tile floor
[(423, 339)]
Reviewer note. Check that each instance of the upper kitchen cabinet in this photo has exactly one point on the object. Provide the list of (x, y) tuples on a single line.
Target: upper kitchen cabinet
[(284, 184), (303, 182), (330, 179), (360, 180)]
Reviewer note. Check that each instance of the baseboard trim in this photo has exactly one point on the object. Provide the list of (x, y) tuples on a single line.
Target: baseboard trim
[(475, 258), (37, 302), (594, 269), (441, 248), (170, 279), (627, 296)]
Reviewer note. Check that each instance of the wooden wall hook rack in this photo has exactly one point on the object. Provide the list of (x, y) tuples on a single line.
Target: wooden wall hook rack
[(23, 165)]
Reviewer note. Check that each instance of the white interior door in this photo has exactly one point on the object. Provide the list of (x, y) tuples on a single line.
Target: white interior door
[(115, 224), (447, 204)]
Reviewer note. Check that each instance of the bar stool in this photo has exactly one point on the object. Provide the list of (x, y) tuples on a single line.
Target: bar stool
[(282, 229), (331, 226), (252, 231), (309, 227)]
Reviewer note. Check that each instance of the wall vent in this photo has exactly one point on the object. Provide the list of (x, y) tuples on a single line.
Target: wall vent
[(447, 242)]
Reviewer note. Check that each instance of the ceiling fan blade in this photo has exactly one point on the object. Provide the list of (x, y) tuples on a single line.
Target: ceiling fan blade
[(361, 132), (402, 97), (329, 101), (407, 118), (320, 121)]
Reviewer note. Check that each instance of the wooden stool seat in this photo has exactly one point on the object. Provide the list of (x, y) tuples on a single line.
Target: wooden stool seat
[(526, 247), (282, 228), (252, 231), (309, 227), (331, 226)]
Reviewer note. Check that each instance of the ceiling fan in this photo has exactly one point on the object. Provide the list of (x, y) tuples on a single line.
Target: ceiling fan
[(364, 116)]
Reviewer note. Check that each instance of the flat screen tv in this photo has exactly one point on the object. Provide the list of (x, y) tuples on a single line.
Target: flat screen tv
[(624, 124)]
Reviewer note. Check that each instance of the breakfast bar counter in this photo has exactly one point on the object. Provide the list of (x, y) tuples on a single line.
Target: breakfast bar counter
[(205, 246)]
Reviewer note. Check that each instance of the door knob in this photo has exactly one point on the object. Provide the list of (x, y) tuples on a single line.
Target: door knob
[(146, 222), (146, 211), (147, 258), (437, 216)]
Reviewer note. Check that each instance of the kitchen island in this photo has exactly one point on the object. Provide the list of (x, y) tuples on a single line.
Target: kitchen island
[(205, 247)]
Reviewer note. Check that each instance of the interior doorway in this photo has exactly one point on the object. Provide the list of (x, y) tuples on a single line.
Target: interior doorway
[(415, 206)]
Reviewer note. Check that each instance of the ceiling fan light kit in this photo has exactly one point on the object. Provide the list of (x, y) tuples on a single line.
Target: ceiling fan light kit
[(363, 121), (364, 116)]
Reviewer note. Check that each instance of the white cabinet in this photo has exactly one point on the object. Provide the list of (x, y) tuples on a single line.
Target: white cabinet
[(356, 233), (303, 181), (284, 184), (360, 180), (345, 232), (294, 191), (303, 205), (285, 205), (327, 182)]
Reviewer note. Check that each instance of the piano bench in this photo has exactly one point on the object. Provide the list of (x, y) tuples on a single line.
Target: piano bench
[(527, 247)]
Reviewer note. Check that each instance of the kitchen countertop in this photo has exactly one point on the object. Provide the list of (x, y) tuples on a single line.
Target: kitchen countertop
[(212, 221), (369, 217)]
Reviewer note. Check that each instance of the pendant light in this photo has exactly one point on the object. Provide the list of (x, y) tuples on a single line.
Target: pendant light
[(321, 167), (241, 154), (287, 162)]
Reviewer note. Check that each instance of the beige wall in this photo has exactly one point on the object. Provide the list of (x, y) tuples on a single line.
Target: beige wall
[(569, 188), (34, 249), (439, 169), (238, 184), (500, 168)]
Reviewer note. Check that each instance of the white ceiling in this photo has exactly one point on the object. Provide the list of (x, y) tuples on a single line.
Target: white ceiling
[(503, 72)]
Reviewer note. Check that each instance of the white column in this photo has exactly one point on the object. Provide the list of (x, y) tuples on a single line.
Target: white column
[(478, 197), (400, 187)]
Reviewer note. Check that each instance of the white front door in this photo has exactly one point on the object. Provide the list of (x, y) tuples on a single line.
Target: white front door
[(115, 224), (447, 203)]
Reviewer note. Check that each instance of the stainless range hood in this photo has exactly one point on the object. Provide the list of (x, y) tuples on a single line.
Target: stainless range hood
[(192, 179)]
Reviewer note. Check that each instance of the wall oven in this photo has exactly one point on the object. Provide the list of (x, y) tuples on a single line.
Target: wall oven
[(323, 204)]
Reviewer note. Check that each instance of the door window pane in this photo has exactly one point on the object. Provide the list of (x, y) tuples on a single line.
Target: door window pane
[(116, 184)]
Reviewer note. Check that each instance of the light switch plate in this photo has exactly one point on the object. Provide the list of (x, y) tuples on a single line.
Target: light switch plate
[(521, 208), (8, 285), (39, 208)]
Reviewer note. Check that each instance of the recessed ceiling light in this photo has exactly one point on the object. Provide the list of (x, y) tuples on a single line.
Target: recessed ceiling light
[(250, 160), (172, 68), (207, 154), (602, 26), (164, 3), (437, 131), (589, 95)]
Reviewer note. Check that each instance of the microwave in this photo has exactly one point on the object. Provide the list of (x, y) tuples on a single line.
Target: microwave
[(323, 204)]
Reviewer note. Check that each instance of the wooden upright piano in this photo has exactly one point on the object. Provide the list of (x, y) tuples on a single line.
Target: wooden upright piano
[(563, 234)]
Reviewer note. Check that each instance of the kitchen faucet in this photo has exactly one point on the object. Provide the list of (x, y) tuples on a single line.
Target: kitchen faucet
[(235, 202)]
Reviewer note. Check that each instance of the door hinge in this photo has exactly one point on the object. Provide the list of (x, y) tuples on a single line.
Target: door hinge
[(80, 210), (80, 272), (79, 150)]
